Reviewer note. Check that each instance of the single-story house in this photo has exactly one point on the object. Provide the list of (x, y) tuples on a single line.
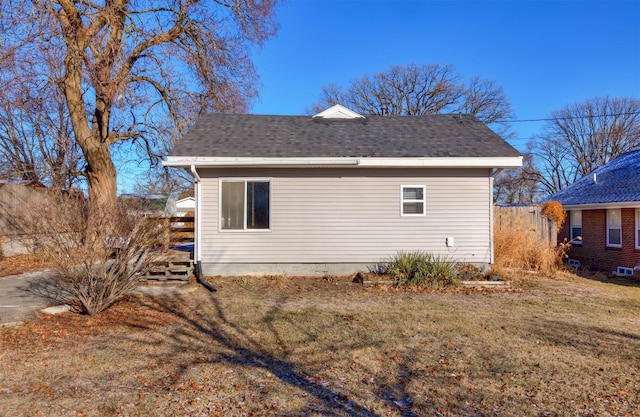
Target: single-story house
[(603, 217), (185, 205), (148, 205), (337, 192)]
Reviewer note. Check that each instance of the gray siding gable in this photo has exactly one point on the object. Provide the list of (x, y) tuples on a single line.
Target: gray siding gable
[(264, 136)]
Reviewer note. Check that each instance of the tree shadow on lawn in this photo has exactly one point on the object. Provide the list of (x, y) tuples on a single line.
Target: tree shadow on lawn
[(209, 324), (598, 340)]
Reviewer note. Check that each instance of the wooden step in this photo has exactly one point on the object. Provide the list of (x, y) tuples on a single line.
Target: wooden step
[(170, 270)]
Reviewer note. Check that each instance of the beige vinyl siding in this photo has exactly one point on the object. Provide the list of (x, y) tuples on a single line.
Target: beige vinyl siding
[(353, 215)]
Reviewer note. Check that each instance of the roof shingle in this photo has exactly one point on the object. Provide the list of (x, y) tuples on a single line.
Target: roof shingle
[(262, 136), (615, 182)]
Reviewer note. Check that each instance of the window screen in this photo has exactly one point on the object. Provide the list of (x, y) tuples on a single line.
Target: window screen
[(413, 201)]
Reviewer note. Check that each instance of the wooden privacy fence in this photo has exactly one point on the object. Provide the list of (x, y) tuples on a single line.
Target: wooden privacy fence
[(174, 231), (530, 217)]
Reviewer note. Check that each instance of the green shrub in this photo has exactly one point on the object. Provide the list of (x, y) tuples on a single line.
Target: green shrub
[(422, 269)]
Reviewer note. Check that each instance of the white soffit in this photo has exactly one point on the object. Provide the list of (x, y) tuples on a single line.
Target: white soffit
[(427, 162), (338, 112)]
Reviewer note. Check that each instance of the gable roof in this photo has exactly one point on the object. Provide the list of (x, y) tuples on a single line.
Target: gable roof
[(613, 184), (234, 137)]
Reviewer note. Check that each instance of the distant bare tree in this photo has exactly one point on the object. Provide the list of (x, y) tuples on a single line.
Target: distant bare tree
[(36, 138), (515, 186), (170, 181), (487, 100), (421, 89), (136, 71), (582, 137)]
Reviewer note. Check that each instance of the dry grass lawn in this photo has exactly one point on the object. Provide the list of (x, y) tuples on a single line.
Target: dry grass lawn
[(566, 346), (19, 264)]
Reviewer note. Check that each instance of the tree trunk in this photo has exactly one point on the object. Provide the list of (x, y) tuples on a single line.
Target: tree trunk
[(101, 175), (92, 138)]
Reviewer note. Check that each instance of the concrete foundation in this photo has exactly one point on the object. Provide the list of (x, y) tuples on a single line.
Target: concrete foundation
[(311, 269), (307, 269)]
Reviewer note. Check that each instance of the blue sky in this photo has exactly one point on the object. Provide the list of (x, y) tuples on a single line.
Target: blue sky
[(546, 54)]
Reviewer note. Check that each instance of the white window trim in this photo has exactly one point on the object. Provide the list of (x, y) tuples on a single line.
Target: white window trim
[(572, 225), (610, 245), (424, 201), (637, 228), (244, 215)]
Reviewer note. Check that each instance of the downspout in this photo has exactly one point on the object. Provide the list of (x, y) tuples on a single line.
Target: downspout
[(492, 176), (196, 242)]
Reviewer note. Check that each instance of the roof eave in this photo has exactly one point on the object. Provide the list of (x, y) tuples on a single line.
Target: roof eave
[(368, 162), (602, 206)]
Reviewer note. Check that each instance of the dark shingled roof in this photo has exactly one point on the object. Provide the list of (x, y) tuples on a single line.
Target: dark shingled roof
[(616, 182), (247, 135)]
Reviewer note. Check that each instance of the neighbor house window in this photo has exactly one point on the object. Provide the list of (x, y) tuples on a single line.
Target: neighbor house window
[(614, 228), (575, 221), (412, 200), (244, 204)]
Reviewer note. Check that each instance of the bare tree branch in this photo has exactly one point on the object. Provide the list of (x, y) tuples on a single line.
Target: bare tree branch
[(421, 89), (584, 136), (138, 69)]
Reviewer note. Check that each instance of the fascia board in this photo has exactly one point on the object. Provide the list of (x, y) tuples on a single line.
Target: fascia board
[(602, 206), (430, 162), (444, 162)]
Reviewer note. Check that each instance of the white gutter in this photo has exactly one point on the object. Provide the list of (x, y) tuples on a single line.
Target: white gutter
[(413, 162), (602, 206)]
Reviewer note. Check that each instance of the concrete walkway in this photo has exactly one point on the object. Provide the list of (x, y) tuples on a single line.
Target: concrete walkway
[(21, 295)]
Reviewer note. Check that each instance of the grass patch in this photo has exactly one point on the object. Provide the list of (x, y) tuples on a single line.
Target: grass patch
[(303, 347)]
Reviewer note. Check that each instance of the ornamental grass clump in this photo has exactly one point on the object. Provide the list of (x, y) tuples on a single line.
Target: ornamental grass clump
[(422, 269), (518, 245)]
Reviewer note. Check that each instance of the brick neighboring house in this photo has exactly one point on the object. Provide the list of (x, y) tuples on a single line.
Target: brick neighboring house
[(603, 217)]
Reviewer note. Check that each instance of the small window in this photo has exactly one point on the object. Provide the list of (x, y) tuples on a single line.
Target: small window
[(244, 205), (614, 228), (412, 200), (575, 221)]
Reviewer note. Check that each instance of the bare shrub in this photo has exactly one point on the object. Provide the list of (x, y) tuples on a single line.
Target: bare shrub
[(98, 257), (517, 245)]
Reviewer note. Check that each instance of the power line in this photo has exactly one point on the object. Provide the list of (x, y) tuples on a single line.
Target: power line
[(548, 119)]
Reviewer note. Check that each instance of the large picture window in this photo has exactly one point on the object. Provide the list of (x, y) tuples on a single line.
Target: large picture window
[(614, 228), (244, 205), (412, 200), (575, 220)]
